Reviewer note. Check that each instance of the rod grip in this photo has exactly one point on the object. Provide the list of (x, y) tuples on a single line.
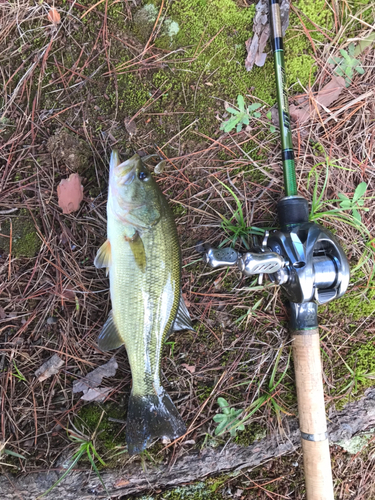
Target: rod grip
[(312, 418)]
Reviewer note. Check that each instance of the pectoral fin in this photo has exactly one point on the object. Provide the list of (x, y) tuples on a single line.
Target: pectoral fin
[(109, 337), (183, 320), (138, 249), (104, 257)]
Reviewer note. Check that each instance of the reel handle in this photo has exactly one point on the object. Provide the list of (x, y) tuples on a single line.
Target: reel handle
[(311, 410)]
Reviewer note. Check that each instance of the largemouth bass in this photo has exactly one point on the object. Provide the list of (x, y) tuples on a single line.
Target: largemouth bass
[(142, 257)]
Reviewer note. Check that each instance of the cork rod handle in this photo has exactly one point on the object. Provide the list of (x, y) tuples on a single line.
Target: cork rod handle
[(312, 418)]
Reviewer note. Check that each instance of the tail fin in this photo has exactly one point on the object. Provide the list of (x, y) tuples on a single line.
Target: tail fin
[(150, 417)]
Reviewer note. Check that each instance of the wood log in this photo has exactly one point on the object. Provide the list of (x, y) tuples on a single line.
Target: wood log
[(193, 466)]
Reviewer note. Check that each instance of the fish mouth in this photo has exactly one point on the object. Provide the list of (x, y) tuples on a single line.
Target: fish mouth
[(124, 172)]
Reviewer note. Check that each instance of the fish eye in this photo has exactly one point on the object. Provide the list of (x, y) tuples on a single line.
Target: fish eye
[(142, 176)]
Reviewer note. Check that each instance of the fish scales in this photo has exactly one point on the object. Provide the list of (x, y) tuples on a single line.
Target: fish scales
[(143, 335)]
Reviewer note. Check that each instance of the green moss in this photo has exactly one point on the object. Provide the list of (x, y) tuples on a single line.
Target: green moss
[(251, 433), (109, 433), (208, 37), (355, 375), (204, 392), (25, 239), (362, 360), (211, 66), (351, 386), (133, 94), (359, 302), (197, 491), (178, 209)]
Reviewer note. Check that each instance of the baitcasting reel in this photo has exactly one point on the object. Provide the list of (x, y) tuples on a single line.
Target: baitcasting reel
[(304, 258)]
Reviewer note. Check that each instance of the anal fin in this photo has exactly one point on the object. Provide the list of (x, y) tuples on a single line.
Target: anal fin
[(182, 320), (109, 338)]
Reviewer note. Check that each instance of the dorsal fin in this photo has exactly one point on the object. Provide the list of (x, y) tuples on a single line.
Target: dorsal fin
[(109, 338)]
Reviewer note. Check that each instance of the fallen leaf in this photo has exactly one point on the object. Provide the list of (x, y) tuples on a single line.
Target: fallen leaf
[(190, 368), (2, 313), (53, 16), (70, 194), (130, 126), (49, 368), (93, 380), (65, 294), (363, 44), (98, 394), (261, 28), (120, 483), (187, 303), (324, 98)]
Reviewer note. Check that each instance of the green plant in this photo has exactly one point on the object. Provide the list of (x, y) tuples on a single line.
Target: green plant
[(86, 448), (241, 116), (228, 420), (239, 230), (359, 377), (171, 344), (4, 451), (347, 64), (272, 127), (249, 312), (18, 374), (318, 210), (355, 203)]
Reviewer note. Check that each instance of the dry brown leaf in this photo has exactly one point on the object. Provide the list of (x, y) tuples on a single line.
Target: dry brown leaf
[(256, 45), (70, 193), (190, 368), (65, 294), (89, 384), (49, 368), (98, 394), (187, 303), (53, 16), (120, 483), (324, 98), (130, 126)]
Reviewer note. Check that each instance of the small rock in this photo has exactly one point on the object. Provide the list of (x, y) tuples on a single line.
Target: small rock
[(52, 321), (130, 126)]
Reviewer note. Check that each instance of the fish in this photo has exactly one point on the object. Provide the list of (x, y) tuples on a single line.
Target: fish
[(143, 259)]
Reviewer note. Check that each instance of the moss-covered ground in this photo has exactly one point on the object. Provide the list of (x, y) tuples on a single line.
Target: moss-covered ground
[(109, 76), (25, 239)]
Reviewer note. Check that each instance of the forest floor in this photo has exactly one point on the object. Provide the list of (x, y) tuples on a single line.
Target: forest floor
[(79, 78)]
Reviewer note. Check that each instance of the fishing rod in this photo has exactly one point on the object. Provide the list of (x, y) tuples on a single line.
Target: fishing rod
[(307, 261)]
